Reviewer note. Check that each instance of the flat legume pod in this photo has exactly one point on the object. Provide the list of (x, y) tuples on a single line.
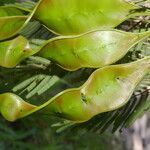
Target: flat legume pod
[(107, 89)]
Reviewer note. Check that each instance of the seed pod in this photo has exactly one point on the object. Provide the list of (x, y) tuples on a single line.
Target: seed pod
[(93, 49), (107, 89), (14, 51), (73, 17), (12, 106)]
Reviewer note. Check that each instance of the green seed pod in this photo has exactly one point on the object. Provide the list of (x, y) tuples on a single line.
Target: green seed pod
[(12, 106), (93, 49), (14, 51), (107, 89), (72, 17)]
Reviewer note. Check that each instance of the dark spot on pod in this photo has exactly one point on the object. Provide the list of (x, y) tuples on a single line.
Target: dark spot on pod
[(118, 78), (84, 98), (26, 50)]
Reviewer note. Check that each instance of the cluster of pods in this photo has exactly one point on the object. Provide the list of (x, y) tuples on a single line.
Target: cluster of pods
[(86, 38)]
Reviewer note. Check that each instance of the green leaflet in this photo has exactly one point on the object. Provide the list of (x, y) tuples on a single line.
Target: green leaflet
[(93, 49), (106, 89), (13, 51), (71, 17)]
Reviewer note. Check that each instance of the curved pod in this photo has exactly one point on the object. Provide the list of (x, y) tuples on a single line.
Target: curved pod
[(106, 89), (69, 17), (93, 49), (72, 17), (14, 51)]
